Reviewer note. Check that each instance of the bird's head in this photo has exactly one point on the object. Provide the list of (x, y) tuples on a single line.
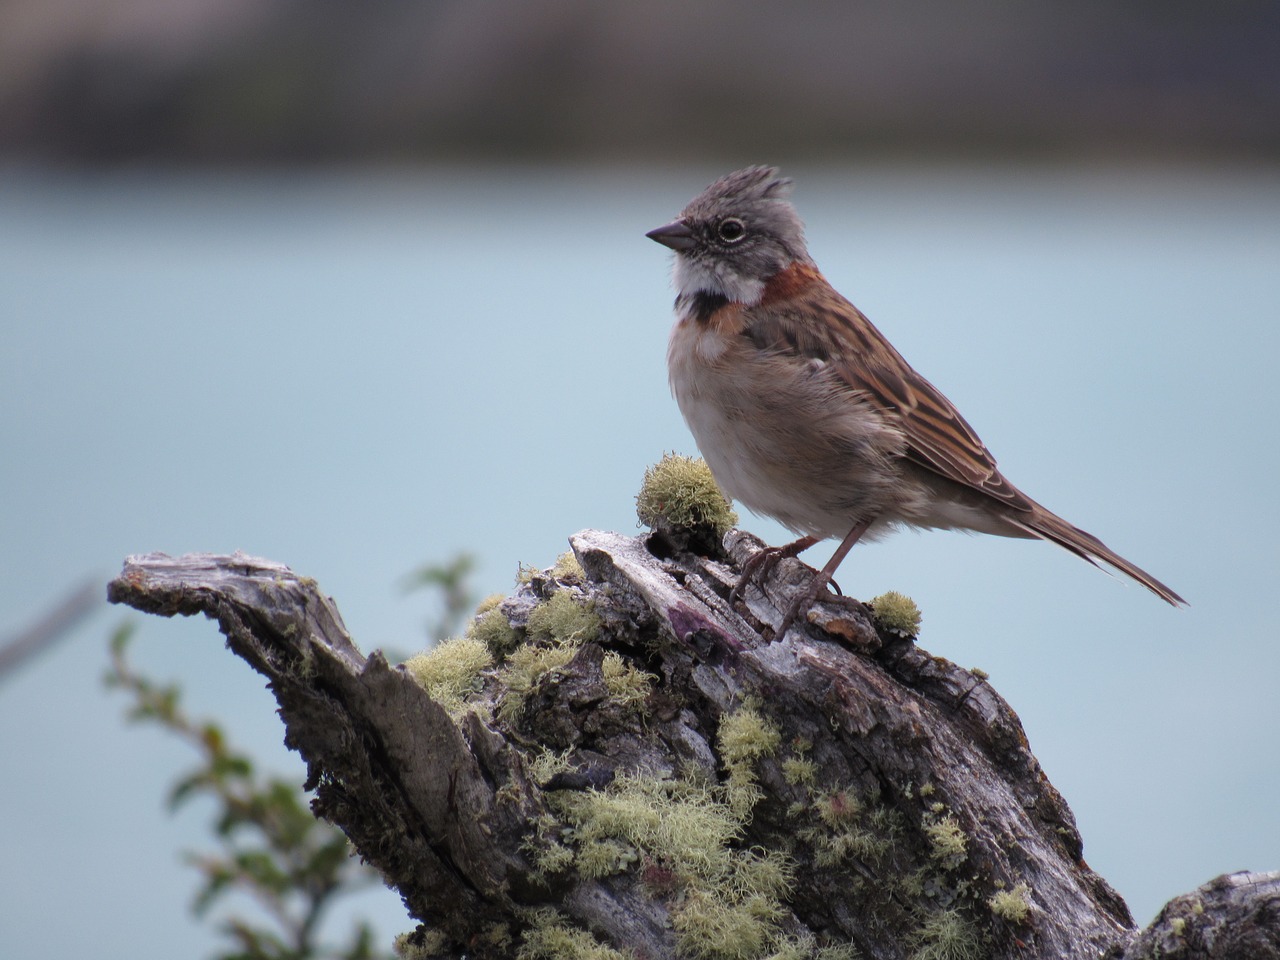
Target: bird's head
[(735, 235)]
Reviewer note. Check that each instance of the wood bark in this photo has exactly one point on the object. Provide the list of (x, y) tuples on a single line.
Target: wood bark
[(895, 791)]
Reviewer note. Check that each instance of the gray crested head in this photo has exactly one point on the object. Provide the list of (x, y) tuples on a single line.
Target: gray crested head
[(735, 235)]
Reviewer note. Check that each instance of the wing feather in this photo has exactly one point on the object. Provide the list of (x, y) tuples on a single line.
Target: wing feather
[(821, 323)]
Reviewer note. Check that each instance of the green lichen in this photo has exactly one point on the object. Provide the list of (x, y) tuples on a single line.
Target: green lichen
[(1011, 905), (910, 885), (492, 629), (565, 618), (450, 672), (679, 492), (897, 613), (567, 567), (600, 858), (628, 685), (525, 666), (837, 951), (804, 946), (946, 935), (550, 857), (947, 842), (546, 763), (686, 834), (490, 602), (431, 944), (745, 736), (557, 628), (799, 770), (672, 821), (847, 830), (710, 928), (544, 849), (550, 938), (839, 808)]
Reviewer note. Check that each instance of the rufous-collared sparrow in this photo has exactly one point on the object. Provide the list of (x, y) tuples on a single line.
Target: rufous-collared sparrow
[(805, 412)]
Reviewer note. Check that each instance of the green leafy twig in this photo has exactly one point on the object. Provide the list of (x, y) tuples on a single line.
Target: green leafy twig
[(271, 846)]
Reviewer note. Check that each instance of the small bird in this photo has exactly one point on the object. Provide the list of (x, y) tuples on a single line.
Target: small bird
[(806, 413)]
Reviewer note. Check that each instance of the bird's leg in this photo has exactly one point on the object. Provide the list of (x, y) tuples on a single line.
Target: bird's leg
[(765, 560), (823, 578)]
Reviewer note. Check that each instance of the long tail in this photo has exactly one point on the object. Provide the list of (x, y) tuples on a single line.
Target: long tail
[(1049, 526)]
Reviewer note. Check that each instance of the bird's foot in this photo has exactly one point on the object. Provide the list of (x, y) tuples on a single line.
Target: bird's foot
[(804, 601), (763, 561)]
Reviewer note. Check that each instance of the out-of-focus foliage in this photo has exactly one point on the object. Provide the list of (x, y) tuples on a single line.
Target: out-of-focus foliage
[(458, 599), (269, 845)]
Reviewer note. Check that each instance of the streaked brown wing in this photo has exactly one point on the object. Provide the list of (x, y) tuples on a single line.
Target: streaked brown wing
[(938, 438)]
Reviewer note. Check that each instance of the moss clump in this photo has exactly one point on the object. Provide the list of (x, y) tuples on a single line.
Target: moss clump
[(670, 820), (493, 630), (837, 951), (550, 857), (946, 936), (567, 567), (744, 737), (948, 845), (848, 831), (799, 770), (557, 628), (546, 763), (550, 938), (897, 613), (564, 618), (423, 945), (491, 602), (1011, 905), (680, 493), (709, 928), (525, 666), (627, 684), (450, 672), (838, 808), (686, 835)]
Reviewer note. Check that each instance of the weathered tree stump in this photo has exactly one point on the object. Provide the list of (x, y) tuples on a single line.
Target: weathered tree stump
[(615, 762)]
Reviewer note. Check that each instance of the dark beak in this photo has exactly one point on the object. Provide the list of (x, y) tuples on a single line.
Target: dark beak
[(675, 235)]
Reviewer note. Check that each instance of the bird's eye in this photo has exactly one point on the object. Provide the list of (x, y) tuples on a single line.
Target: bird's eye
[(731, 230)]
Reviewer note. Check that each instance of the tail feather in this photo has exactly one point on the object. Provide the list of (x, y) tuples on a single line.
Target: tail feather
[(1051, 527)]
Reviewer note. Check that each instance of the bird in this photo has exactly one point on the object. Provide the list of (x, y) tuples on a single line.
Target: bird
[(807, 414)]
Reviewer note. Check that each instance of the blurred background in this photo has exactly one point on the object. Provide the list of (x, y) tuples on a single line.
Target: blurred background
[(359, 287)]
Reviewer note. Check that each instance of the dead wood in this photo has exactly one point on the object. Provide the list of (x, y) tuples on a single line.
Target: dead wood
[(638, 769)]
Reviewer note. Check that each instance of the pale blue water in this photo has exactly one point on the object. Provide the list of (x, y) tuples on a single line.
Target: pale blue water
[(355, 373)]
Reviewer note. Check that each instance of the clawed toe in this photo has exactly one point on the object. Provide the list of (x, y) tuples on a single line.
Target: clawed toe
[(763, 561), (803, 602)]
